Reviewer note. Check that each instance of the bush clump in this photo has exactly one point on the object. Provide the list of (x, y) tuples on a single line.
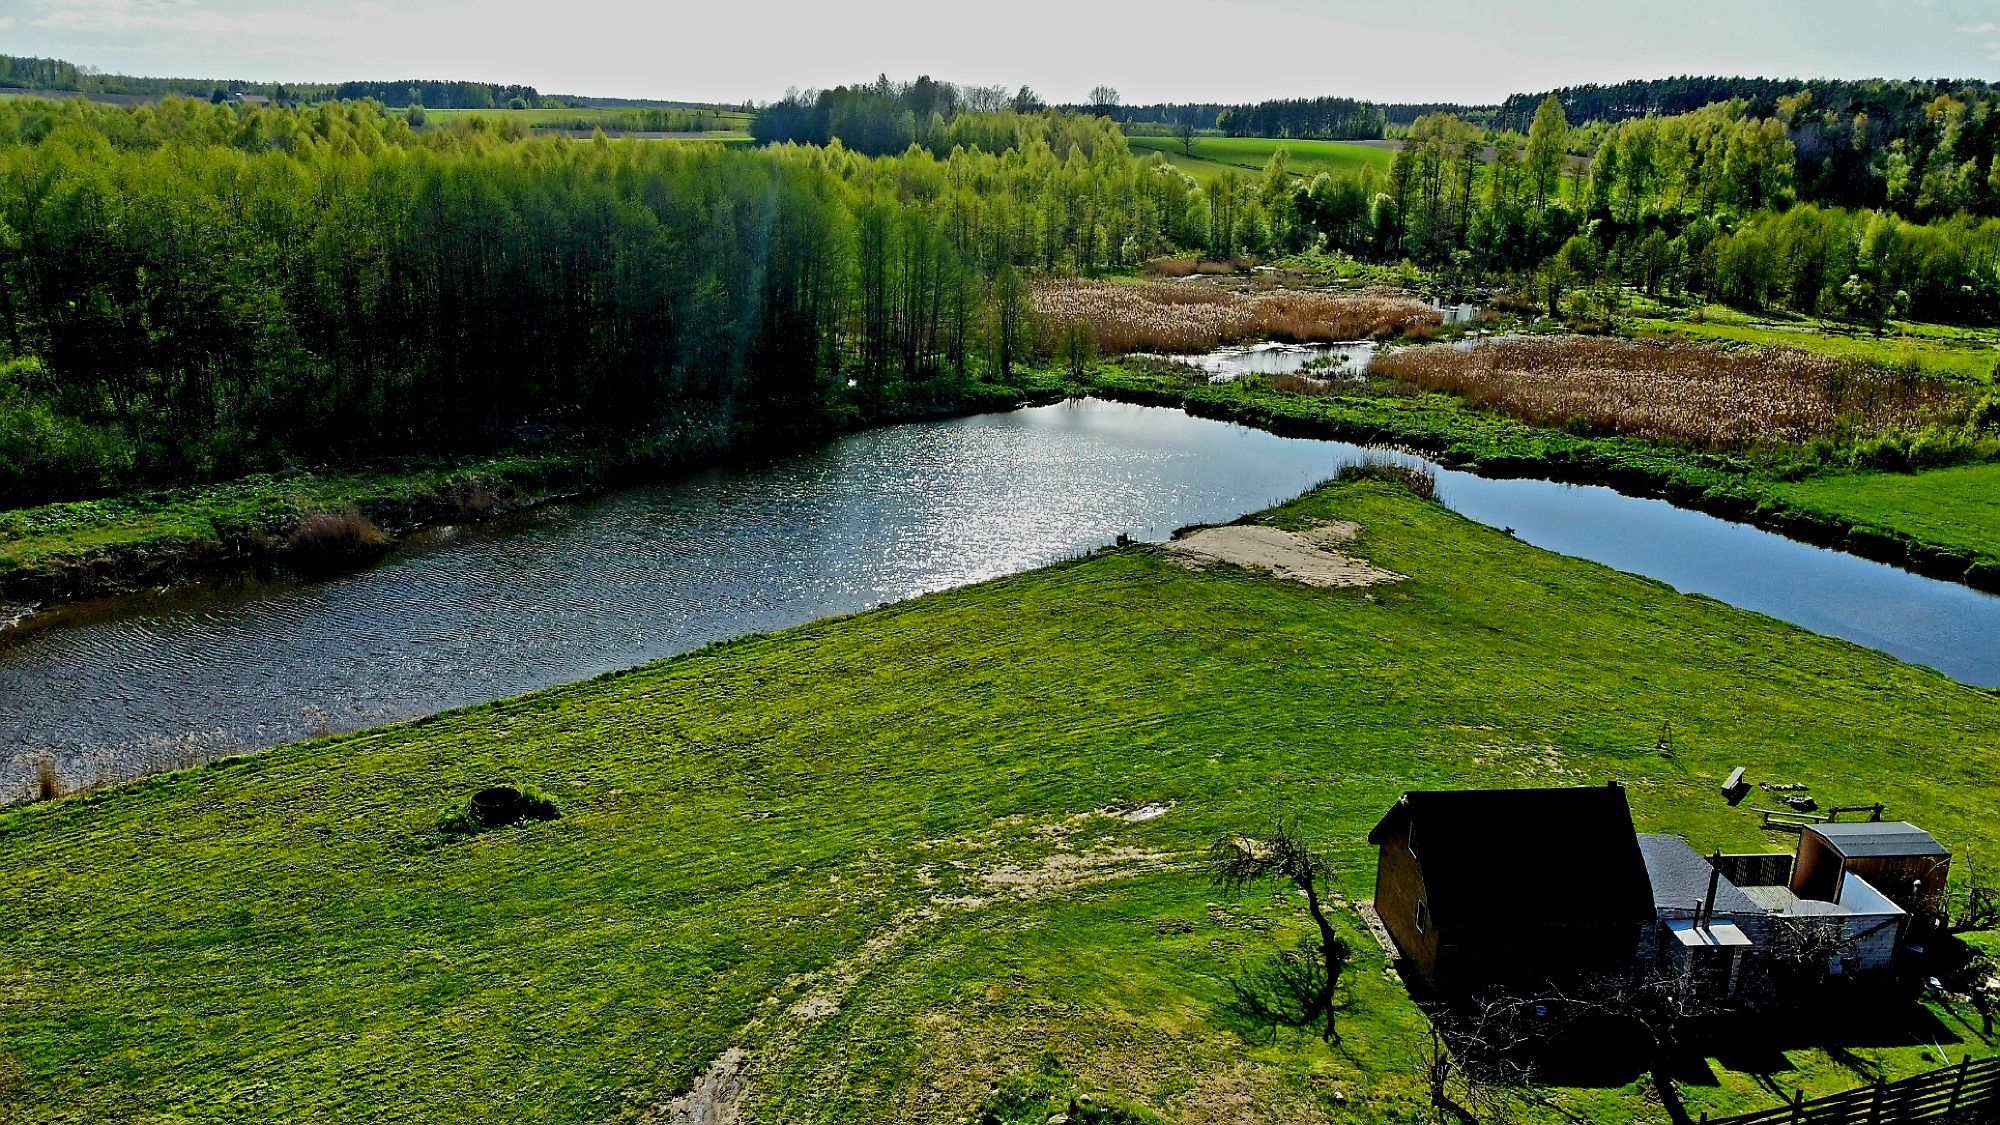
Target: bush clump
[(335, 541), (1419, 480), (499, 806)]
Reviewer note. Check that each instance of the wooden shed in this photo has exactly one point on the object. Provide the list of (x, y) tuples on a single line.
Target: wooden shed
[(1903, 862), (1511, 885)]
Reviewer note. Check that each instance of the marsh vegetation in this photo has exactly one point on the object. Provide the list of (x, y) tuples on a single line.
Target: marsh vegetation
[(1683, 392)]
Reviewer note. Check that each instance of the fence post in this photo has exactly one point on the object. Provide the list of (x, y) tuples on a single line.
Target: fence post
[(1875, 1110), (1798, 1106), (1958, 1083)]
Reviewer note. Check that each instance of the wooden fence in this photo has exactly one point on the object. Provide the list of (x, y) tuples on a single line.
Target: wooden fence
[(1968, 1092)]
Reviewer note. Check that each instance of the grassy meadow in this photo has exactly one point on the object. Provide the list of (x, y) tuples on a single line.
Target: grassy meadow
[(1956, 507), (1947, 351), (730, 125), (1213, 156), (884, 854)]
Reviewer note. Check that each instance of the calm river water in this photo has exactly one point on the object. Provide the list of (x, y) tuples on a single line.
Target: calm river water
[(133, 685)]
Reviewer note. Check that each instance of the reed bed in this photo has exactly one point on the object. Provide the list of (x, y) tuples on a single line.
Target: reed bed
[(1187, 267), (1675, 391), (1192, 317)]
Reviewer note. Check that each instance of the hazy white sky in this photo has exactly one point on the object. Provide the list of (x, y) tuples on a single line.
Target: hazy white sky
[(1151, 50)]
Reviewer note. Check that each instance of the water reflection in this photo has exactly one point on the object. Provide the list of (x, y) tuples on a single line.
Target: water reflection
[(568, 592)]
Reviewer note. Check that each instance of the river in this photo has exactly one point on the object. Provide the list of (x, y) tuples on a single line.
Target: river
[(116, 689)]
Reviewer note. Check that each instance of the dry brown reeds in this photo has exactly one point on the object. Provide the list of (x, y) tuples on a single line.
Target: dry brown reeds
[(1194, 317), (335, 540), (1187, 267), (1674, 391)]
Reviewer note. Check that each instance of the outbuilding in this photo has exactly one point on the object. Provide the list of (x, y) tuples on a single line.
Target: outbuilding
[(1902, 862), (1511, 885)]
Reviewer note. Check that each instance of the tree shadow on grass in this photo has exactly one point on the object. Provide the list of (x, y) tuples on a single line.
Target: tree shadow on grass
[(1870, 1019)]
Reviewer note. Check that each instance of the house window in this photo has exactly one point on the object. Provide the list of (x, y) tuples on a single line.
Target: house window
[(1423, 916)]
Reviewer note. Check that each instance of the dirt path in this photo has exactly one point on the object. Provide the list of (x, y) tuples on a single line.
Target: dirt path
[(721, 1092)]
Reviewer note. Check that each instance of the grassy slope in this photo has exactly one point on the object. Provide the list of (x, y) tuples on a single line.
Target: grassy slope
[(1215, 155), (813, 815)]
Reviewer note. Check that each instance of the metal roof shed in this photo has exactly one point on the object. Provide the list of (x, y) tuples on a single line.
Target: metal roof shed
[(1904, 862)]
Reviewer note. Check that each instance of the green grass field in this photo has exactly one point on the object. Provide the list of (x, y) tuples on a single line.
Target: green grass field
[(1960, 353), (730, 123), (1214, 156), (872, 852), (1955, 507)]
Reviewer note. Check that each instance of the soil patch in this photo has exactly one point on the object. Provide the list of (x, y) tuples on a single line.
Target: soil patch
[(1307, 557), (717, 1096)]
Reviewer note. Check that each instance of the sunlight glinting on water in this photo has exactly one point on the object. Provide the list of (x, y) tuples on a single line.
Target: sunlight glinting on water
[(571, 591)]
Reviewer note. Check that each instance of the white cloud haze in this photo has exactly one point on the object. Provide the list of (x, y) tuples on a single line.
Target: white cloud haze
[(1151, 50)]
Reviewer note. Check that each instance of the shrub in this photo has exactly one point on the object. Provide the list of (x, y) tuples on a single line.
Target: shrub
[(45, 453), (1986, 413), (335, 541), (496, 807), (1418, 479)]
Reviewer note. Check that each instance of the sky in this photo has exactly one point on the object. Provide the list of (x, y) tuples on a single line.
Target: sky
[(1473, 51)]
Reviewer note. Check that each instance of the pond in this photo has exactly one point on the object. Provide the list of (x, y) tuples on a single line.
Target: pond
[(1327, 361), (117, 689)]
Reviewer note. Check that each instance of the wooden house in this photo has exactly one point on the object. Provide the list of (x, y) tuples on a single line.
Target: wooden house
[(1511, 885)]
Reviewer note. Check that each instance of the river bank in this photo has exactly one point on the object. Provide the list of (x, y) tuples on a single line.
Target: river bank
[(69, 552), (1934, 523), (1484, 442), (893, 859)]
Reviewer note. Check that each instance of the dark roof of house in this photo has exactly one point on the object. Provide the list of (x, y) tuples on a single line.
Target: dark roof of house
[(1870, 839), (1510, 857), (1679, 876)]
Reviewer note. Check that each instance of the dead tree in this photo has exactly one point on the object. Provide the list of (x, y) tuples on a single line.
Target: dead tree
[(1802, 955), (1973, 906), (1477, 1058), (1297, 988), (1662, 1003)]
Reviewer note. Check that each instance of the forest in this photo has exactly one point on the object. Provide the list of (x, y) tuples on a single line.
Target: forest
[(1335, 119), (190, 291), (1665, 97), (22, 72), (1291, 117), (884, 118)]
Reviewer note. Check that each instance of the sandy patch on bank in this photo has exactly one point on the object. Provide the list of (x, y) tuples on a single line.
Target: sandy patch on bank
[(1308, 557)]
